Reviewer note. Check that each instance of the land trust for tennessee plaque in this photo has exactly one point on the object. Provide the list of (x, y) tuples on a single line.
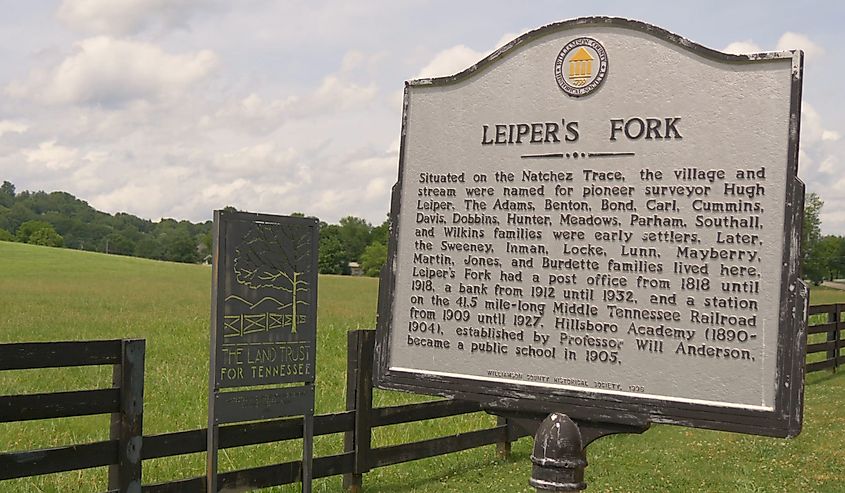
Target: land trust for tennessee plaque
[(602, 218), (263, 326), (264, 314)]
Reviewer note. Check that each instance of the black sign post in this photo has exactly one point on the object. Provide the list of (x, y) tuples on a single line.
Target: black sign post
[(263, 326)]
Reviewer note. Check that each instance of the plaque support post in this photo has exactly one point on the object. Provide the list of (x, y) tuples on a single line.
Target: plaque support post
[(308, 441), (560, 456), (211, 457)]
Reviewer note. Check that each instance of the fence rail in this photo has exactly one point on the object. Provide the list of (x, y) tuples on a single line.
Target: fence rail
[(830, 320), (125, 401)]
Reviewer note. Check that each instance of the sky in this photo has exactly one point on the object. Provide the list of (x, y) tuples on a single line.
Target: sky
[(174, 108)]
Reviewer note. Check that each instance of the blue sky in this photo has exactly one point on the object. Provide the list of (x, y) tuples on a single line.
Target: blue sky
[(172, 108)]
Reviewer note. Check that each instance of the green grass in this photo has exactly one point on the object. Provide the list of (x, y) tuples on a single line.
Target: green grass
[(53, 294), (820, 295)]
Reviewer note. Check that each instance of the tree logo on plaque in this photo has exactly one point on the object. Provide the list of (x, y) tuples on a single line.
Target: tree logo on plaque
[(260, 262), (581, 66)]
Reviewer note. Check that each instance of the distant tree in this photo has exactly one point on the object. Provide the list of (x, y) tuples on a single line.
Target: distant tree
[(6, 236), (297, 214), (826, 259), (373, 259), (355, 235), (206, 243), (7, 194), (39, 233), (18, 214), (119, 244), (46, 237), (811, 232), (149, 248), (381, 232), (180, 247), (839, 259), (7, 188), (813, 266), (28, 228), (332, 257)]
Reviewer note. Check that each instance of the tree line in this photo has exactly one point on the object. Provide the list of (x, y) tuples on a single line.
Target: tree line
[(823, 256), (58, 219)]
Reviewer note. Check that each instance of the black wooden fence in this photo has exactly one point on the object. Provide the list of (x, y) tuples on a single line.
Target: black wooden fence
[(356, 423), (125, 402), (830, 320)]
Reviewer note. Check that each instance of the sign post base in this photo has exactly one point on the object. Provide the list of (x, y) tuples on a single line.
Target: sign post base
[(559, 456)]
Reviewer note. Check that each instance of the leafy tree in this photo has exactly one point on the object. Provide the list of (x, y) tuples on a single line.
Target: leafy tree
[(839, 260), (39, 233), (332, 257), (373, 259), (206, 243), (46, 237), (149, 248), (828, 257), (180, 247), (29, 227), (119, 244), (17, 215), (813, 266), (6, 236), (381, 232), (7, 194), (355, 236)]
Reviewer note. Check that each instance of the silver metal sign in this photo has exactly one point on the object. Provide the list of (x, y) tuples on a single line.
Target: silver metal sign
[(602, 218)]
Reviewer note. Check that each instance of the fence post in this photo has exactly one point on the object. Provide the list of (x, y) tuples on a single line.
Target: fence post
[(127, 426), (837, 334), (359, 398), (833, 335), (503, 448)]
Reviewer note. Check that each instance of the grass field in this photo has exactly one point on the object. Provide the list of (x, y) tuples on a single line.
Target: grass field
[(54, 294)]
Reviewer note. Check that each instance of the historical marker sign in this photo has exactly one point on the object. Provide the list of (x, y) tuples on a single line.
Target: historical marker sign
[(264, 319), (602, 218)]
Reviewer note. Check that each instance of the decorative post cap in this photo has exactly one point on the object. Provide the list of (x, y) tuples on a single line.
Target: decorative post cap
[(558, 456)]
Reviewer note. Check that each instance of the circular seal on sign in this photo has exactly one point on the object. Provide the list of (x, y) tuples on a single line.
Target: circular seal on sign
[(581, 66)]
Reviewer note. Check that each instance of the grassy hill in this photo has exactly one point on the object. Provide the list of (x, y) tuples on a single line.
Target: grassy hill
[(56, 294)]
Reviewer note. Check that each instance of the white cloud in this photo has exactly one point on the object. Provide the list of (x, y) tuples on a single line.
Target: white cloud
[(51, 155), (812, 128), (458, 58), (104, 70), (136, 197), (795, 41), (787, 41), (7, 126), (260, 159), (507, 38), (376, 188), (129, 16), (450, 61), (743, 47), (335, 95), (830, 135), (829, 165)]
